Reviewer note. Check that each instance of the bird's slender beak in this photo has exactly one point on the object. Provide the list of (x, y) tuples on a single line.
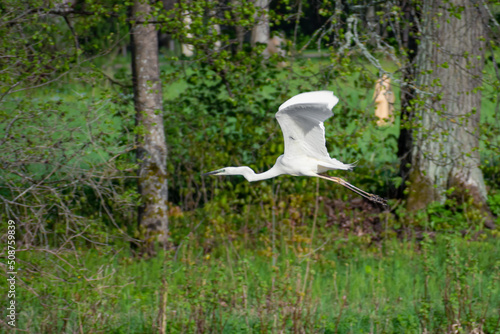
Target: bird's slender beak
[(215, 172)]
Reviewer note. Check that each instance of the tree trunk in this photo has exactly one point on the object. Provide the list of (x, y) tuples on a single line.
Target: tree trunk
[(240, 30), (449, 72), (187, 49), (261, 32), (407, 93), (152, 149)]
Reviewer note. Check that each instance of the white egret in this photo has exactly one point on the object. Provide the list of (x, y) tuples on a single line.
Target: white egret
[(301, 119)]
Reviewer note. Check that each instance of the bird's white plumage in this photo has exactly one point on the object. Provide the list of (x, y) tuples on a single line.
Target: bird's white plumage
[(322, 96), (301, 119)]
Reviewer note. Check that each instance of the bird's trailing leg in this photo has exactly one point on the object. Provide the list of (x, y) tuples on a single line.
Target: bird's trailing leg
[(371, 197)]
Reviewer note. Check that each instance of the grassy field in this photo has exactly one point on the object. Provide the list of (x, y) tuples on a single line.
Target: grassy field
[(345, 287)]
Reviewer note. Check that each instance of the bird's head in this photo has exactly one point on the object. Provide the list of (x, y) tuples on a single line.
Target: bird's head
[(216, 172)]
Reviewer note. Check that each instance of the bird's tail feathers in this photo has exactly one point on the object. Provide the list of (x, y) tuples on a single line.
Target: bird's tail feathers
[(352, 165), (335, 164)]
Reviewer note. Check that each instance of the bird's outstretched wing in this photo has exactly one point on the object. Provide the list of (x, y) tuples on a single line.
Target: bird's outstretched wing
[(301, 120)]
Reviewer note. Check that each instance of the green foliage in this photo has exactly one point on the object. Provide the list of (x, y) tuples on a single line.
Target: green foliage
[(60, 161), (449, 283), (288, 254), (227, 119), (65, 132), (494, 203)]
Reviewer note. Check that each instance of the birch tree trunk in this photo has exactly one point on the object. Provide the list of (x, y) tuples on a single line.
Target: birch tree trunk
[(152, 149), (187, 49), (261, 31), (449, 74)]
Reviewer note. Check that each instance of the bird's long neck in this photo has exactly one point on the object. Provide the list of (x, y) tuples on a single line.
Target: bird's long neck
[(251, 176)]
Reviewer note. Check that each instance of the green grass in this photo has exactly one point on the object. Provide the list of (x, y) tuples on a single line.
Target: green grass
[(394, 287)]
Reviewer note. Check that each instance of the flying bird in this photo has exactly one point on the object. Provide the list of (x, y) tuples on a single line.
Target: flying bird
[(301, 120)]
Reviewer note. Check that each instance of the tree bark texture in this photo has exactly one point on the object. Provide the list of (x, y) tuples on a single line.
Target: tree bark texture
[(240, 30), (449, 74), (407, 93), (261, 31), (152, 149)]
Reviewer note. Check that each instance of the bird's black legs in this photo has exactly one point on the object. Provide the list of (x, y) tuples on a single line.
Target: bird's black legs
[(371, 197)]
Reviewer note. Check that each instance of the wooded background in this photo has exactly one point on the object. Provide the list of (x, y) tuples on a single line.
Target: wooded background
[(111, 111)]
